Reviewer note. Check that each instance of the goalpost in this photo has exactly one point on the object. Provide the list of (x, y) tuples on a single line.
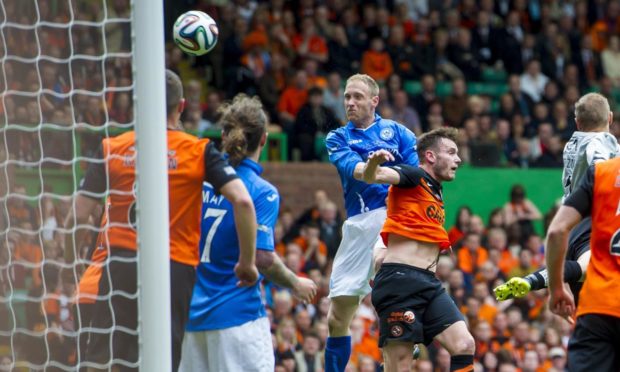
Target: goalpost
[(70, 70)]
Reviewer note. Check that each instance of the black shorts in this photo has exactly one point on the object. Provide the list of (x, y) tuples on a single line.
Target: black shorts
[(122, 310), (579, 239), (412, 304), (594, 344)]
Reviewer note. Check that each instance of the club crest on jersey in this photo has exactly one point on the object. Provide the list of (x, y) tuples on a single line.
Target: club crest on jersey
[(396, 331), (386, 134), (172, 160)]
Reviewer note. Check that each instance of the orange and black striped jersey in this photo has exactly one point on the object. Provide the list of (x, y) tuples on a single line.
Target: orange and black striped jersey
[(598, 195), (191, 161), (415, 208)]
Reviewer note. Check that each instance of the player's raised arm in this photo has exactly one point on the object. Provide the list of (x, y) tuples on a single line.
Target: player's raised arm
[(346, 161), (373, 172)]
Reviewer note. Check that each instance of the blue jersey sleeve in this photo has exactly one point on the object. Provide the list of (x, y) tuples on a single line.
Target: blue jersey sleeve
[(408, 146), (267, 206), (340, 154)]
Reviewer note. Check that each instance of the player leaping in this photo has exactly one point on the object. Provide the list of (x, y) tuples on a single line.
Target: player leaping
[(412, 304), (590, 144), (348, 148)]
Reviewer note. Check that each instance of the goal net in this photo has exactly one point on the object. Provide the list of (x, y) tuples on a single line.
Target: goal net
[(68, 82)]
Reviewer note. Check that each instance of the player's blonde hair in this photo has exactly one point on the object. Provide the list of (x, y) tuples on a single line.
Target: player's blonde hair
[(373, 87), (244, 122), (592, 111)]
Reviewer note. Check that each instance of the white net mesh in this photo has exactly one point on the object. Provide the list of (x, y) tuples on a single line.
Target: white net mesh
[(66, 84)]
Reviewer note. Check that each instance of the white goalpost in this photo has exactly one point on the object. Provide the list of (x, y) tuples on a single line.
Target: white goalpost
[(153, 224), (72, 73)]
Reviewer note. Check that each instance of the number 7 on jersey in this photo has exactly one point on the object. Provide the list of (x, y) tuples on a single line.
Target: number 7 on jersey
[(218, 214)]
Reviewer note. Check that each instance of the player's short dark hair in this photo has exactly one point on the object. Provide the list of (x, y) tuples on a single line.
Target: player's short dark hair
[(174, 91), (431, 139)]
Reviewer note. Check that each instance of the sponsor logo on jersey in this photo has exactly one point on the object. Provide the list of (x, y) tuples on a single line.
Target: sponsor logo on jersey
[(436, 214), (272, 197), (386, 134), (353, 142)]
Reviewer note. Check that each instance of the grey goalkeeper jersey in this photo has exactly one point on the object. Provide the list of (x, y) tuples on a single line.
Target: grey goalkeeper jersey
[(582, 150)]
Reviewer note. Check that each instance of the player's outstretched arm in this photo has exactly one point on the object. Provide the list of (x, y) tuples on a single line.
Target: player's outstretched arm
[(245, 223), (272, 267), (372, 172)]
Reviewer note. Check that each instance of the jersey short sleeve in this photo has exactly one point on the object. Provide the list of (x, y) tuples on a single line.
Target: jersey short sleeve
[(267, 208), (597, 151), (340, 154), (217, 170), (408, 146), (581, 197), (95, 181), (410, 176)]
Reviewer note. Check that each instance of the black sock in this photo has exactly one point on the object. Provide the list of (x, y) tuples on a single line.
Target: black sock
[(540, 278), (462, 363)]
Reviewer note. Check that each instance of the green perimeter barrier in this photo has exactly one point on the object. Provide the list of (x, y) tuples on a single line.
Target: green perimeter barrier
[(484, 189)]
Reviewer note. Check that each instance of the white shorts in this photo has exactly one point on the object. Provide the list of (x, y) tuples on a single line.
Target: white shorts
[(247, 347), (353, 264)]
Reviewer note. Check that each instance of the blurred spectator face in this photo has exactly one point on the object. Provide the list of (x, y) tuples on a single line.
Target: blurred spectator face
[(521, 333), (489, 361), (357, 330), (481, 291), (534, 243), (514, 84), (333, 82), (400, 100), (560, 111), (541, 111), (542, 350), (311, 345), (489, 272), (558, 358), (366, 364), (303, 320), (523, 147), (571, 94), (455, 279), (472, 242), (340, 35), (525, 258), (464, 38), (533, 68), (472, 129), (483, 332), (458, 87), (483, 19), (289, 363), (293, 261), (530, 361), (301, 79), (551, 90), (500, 323), (394, 83), (473, 307), (503, 129), (311, 66), (328, 212), (377, 45), (316, 98), (475, 105), (444, 267), (307, 27), (397, 35), (614, 43), (283, 304), (476, 225), (428, 84), (551, 337), (514, 317), (513, 19), (496, 239), (323, 307)]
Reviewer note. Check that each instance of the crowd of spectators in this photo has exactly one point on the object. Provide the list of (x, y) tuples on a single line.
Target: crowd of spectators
[(506, 72)]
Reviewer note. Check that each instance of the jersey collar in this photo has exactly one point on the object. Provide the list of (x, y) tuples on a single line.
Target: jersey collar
[(254, 166), (352, 126)]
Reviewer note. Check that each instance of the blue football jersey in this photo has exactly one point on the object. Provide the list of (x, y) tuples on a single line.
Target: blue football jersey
[(349, 145), (217, 302)]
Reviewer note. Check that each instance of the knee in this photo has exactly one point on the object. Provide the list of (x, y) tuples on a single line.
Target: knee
[(464, 346)]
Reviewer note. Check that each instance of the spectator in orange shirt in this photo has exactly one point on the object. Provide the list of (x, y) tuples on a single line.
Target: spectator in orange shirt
[(376, 62), (308, 44), (488, 308), (458, 230), (497, 240), (314, 250), (470, 257), (362, 343), (292, 99)]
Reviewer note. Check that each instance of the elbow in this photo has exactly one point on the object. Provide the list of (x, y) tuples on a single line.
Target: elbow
[(243, 201), (264, 260), (557, 232)]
